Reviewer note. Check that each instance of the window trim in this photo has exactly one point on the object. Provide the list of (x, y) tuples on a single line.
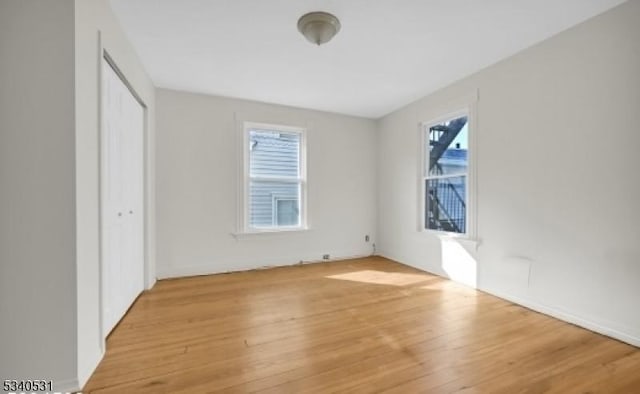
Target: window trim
[(469, 108), (245, 227)]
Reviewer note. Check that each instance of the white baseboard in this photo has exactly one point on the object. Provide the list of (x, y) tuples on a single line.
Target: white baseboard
[(66, 386), (567, 317), (179, 272), (87, 370), (150, 284), (548, 310)]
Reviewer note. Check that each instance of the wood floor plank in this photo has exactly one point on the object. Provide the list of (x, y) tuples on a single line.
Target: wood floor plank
[(358, 326)]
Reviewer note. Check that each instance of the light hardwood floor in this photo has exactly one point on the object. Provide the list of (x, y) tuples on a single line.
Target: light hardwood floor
[(366, 325)]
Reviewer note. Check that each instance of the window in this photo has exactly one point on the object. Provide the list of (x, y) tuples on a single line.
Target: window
[(446, 174), (275, 179)]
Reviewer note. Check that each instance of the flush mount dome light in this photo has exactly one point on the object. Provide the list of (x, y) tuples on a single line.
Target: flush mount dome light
[(318, 27)]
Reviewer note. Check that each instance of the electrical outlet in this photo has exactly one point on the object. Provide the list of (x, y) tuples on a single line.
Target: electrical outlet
[(326, 257), (366, 238)]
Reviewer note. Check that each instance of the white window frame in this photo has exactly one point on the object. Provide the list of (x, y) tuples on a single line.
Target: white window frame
[(470, 110), (301, 179)]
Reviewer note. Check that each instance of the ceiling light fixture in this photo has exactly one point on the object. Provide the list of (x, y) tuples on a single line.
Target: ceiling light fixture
[(318, 27)]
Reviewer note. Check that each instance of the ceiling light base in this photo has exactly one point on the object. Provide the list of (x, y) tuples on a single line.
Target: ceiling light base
[(318, 27)]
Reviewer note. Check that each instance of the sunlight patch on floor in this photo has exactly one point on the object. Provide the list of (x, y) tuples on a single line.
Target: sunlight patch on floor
[(448, 286), (381, 277)]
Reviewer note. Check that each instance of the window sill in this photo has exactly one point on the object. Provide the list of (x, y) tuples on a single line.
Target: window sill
[(269, 233)]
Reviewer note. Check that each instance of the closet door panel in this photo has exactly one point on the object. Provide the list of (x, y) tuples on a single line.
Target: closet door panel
[(122, 179), (134, 197)]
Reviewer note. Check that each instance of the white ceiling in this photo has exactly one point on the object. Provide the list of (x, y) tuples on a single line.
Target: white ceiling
[(388, 53)]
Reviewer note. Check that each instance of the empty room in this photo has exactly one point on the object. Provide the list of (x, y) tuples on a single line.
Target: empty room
[(320, 196)]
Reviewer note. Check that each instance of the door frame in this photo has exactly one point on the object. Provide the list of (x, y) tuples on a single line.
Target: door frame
[(104, 56)]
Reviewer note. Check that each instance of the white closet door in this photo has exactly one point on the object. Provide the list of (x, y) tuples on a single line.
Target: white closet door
[(122, 175), (133, 282)]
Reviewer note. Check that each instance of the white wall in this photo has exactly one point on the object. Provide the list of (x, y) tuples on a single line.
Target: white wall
[(558, 181), (49, 145), (558, 220), (197, 167), (37, 210), (96, 25)]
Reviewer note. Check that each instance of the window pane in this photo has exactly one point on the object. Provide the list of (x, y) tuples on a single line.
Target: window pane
[(448, 145), (274, 204), (274, 153), (446, 204), (286, 212)]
